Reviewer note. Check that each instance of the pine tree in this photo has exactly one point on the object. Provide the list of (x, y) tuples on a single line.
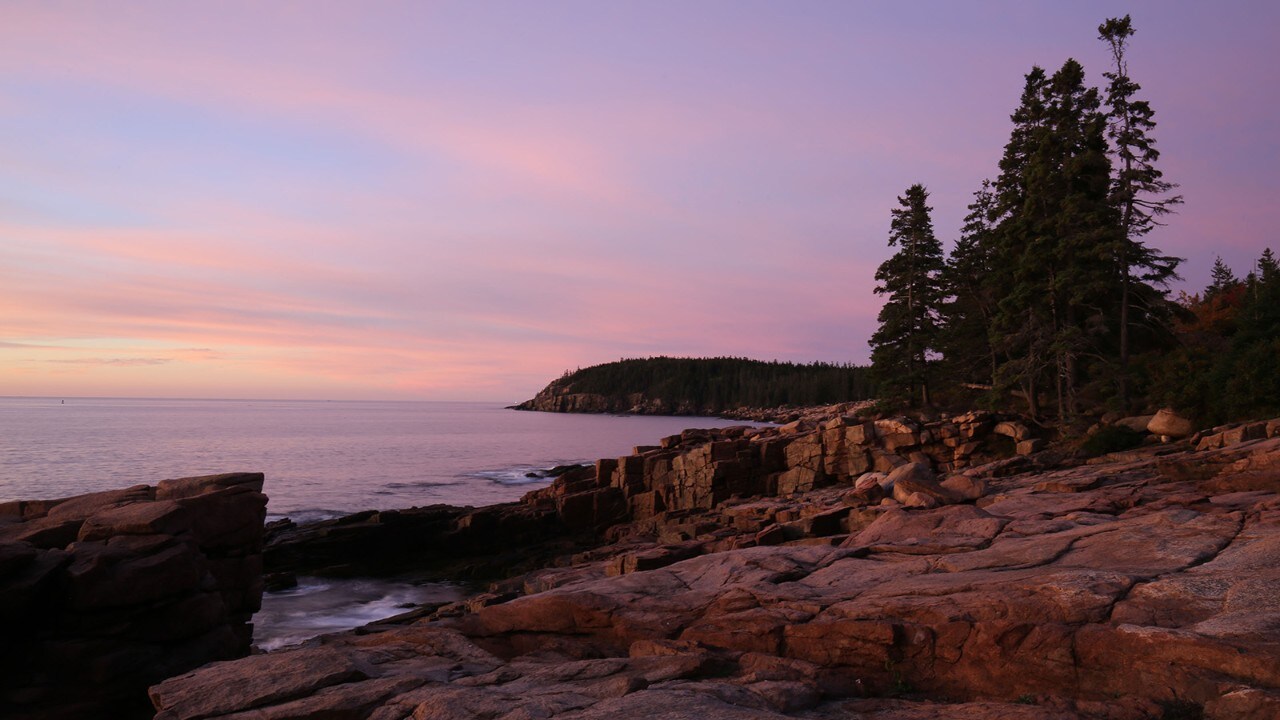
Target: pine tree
[(1139, 193), (1268, 269), (1054, 234), (1017, 323), (902, 346), (1223, 279), (1244, 374), (970, 283)]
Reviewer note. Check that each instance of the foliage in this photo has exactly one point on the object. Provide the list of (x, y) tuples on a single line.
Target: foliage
[(969, 299), (1140, 195), (1111, 438), (1054, 227), (912, 278), (1053, 293), (901, 685), (1228, 340), (722, 383)]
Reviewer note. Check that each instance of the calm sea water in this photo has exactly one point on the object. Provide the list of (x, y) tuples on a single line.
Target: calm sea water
[(320, 458)]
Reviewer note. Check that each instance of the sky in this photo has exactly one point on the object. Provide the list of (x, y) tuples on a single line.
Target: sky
[(461, 200)]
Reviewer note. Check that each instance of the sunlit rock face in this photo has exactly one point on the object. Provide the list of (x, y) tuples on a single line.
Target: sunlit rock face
[(1137, 585), (107, 593)]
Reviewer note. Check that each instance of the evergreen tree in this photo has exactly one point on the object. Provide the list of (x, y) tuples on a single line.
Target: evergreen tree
[(1055, 232), (1223, 279), (1268, 267), (969, 282), (1140, 195), (1018, 322), (902, 346)]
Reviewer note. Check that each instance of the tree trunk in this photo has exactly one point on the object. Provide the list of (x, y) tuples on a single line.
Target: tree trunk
[(1033, 398), (1124, 341)]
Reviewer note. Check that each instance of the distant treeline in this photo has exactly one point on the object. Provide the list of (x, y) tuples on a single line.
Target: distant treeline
[(722, 383)]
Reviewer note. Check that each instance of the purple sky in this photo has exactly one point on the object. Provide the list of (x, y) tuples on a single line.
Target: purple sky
[(461, 200)]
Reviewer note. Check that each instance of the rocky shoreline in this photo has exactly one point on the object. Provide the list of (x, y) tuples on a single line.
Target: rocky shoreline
[(557, 398), (892, 569)]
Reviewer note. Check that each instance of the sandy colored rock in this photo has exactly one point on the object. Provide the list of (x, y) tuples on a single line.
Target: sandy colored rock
[(915, 479), (965, 487), (1168, 422)]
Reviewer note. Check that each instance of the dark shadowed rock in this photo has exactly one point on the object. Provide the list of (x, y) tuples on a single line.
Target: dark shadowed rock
[(102, 595)]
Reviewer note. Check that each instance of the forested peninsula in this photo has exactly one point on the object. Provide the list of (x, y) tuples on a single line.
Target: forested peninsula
[(700, 386)]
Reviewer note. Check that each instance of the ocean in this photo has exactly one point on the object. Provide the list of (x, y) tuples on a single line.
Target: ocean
[(321, 459)]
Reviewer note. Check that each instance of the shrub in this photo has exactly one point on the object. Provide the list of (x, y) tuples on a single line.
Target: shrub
[(1111, 438)]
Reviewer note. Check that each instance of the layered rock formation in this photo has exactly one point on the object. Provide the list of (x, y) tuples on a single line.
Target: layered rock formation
[(102, 595), (958, 584), (440, 541), (703, 469)]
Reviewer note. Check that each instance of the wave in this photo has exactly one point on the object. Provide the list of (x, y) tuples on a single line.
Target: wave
[(306, 515), (524, 474), (319, 606), (422, 484)]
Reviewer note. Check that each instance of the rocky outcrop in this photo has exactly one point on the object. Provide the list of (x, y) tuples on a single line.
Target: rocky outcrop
[(555, 399), (699, 470), (437, 541), (1143, 585), (102, 595)]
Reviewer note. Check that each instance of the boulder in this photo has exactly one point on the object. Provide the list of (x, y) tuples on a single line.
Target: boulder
[(1029, 447), (1015, 430), (917, 479), (1168, 422), (895, 426), (866, 480), (965, 487)]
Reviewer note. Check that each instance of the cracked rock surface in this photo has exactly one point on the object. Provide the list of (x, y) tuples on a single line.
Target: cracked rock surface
[(1143, 585)]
